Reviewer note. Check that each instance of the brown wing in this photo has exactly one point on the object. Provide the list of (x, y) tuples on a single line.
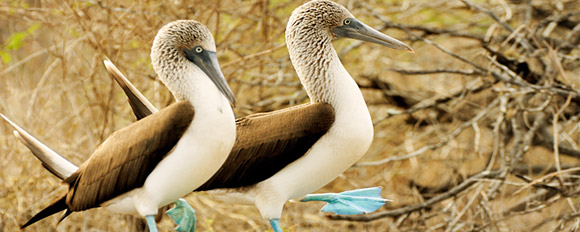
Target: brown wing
[(125, 159), (268, 142)]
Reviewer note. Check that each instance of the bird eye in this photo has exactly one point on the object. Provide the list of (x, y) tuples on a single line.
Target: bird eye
[(346, 21), (198, 49)]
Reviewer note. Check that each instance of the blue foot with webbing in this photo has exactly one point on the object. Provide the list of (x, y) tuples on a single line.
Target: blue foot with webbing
[(358, 201), (183, 215)]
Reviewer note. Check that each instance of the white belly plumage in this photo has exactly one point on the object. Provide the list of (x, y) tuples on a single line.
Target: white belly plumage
[(194, 159)]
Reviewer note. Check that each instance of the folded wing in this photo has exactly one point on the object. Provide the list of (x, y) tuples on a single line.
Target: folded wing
[(268, 142), (126, 158)]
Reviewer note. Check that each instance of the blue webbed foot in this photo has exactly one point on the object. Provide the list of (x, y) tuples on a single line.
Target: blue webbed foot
[(358, 201), (183, 215)]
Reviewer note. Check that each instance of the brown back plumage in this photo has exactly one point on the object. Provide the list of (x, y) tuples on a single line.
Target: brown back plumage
[(268, 142), (123, 161), (126, 158)]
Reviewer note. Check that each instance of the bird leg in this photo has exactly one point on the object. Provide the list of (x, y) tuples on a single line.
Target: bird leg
[(358, 201), (275, 223), (183, 215), (151, 223)]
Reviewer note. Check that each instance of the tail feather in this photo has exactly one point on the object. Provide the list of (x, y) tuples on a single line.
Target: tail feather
[(54, 162), (66, 213), (55, 207)]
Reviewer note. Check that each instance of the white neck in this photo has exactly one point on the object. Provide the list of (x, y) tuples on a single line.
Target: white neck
[(325, 78), (345, 94), (190, 83)]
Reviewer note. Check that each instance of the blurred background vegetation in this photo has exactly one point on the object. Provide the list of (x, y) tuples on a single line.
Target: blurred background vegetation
[(478, 130)]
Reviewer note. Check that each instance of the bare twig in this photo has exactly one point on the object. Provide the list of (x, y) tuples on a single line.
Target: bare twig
[(490, 13), (546, 177), (429, 103), (439, 71), (555, 119), (565, 217), (444, 141), (547, 140), (476, 194)]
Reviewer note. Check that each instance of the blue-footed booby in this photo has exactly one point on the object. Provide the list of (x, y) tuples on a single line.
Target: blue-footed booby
[(167, 154), (288, 153)]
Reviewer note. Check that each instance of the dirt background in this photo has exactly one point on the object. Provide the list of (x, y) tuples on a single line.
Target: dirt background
[(465, 128)]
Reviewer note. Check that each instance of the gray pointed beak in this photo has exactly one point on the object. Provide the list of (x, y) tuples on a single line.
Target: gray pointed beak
[(208, 62), (360, 31)]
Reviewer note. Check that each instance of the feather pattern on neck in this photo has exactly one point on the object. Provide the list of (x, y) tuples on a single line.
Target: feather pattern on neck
[(312, 58), (309, 42)]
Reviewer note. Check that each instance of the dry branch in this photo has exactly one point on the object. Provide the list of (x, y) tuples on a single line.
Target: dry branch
[(441, 143)]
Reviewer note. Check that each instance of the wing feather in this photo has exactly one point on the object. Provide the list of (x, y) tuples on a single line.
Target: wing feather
[(139, 103), (125, 159), (268, 142)]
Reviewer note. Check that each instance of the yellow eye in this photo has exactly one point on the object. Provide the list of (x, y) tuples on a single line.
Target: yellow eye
[(346, 21), (198, 49)]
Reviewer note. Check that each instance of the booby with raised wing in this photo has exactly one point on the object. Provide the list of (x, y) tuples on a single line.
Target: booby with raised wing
[(168, 154), (287, 153)]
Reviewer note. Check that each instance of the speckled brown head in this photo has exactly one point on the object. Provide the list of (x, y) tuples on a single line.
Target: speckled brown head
[(175, 37), (186, 41), (328, 20), (309, 34), (317, 17)]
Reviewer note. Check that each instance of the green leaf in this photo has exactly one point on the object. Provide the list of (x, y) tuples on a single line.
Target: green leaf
[(16, 40), (6, 58)]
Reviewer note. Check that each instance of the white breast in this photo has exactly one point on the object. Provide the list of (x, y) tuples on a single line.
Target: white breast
[(344, 144), (200, 152)]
